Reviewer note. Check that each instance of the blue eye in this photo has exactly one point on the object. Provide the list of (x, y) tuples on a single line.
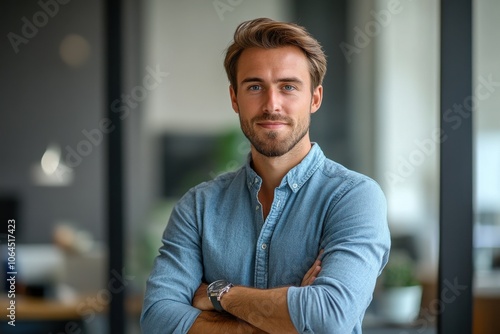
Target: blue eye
[(288, 87), (254, 87)]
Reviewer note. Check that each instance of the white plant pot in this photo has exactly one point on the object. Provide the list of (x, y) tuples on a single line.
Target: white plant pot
[(400, 305)]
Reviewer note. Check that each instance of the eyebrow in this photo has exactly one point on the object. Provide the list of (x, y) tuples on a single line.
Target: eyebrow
[(257, 79)]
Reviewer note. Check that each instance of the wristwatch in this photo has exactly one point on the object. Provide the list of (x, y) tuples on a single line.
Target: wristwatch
[(215, 291)]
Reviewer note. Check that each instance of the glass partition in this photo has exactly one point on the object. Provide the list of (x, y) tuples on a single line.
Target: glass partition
[(486, 120)]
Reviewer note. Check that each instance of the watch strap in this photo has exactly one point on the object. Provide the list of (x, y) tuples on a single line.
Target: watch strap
[(216, 303)]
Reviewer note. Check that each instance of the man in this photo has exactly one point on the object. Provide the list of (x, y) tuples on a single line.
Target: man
[(256, 233)]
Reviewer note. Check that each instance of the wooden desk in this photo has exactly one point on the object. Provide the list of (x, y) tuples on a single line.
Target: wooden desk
[(486, 303), (30, 308), (486, 314), (38, 315)]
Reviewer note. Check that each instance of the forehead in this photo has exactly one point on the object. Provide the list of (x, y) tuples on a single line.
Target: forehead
[(273, 63)]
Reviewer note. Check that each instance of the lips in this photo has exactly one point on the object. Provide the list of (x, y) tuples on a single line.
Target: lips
[(271, 125), (272, 122)]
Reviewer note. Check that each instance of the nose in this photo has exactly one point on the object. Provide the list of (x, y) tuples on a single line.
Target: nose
[(272, 101)]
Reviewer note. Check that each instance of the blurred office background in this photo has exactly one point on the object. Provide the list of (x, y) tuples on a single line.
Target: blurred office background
[(380, 116)]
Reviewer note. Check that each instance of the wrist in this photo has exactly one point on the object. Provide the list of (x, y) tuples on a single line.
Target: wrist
[(226, 300)]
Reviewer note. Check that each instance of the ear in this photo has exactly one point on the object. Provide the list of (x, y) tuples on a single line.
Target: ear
[(234, 100), (317, 98)]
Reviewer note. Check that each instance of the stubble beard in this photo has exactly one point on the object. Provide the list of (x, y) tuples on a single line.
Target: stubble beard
[(269, 143)]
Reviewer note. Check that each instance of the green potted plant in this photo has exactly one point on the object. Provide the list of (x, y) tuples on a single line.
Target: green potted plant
[(401, 293)]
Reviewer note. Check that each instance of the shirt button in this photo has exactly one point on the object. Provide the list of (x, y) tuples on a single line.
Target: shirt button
[(264, 246), (256, 180), (257, 207), (295, 185)]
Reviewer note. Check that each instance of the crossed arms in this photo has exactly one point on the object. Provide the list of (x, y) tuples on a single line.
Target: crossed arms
[(246, 309), (356, 245)]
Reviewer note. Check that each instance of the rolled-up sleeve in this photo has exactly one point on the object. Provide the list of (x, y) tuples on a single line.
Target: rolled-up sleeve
[(176, 274), (356, 243)]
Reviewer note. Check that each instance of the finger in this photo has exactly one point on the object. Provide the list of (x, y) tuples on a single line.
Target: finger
[(316, 271), (311, 270), (314, 275), (320, 254), (311, 274)]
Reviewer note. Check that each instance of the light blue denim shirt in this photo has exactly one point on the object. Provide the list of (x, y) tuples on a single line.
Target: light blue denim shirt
[(217, 231)]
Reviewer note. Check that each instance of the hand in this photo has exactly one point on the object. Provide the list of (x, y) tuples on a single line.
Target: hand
[(313, 272), (201, 300)]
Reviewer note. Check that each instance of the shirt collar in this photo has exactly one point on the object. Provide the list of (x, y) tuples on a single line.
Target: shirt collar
[(297, 176)]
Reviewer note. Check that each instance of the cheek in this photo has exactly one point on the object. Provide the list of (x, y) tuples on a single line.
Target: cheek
[(248, 105)]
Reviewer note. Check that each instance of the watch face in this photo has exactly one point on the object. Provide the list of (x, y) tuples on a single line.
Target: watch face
[(217, 285)]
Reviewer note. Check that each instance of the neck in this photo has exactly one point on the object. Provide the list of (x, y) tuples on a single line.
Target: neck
[(273, 169)]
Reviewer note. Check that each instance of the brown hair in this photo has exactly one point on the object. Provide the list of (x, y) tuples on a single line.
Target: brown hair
[(267, 34)]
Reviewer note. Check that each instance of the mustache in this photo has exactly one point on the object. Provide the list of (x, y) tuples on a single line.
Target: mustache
[(273, 118)]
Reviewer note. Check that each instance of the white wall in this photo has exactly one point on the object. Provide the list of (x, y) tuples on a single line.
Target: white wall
[(188, 39), (486, 55), (406, 98)]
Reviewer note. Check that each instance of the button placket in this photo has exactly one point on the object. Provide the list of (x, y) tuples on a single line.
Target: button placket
[(264, 240)]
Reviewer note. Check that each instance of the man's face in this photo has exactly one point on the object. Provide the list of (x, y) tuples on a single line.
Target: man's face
[(274, 99)]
